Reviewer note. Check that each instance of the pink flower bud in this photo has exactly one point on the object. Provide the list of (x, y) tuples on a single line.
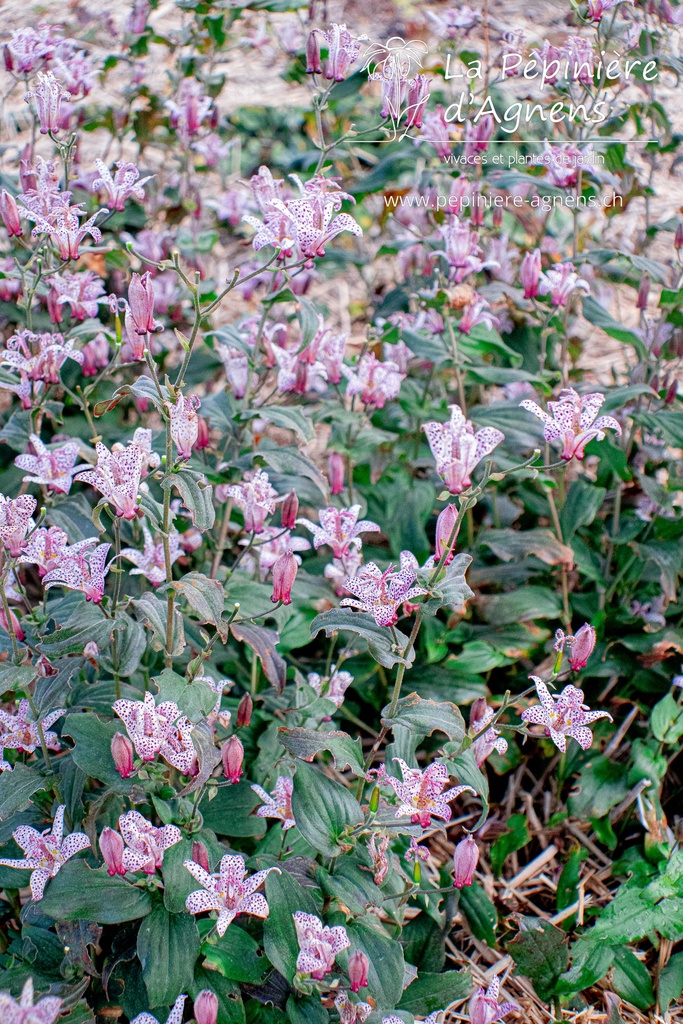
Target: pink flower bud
[(678, 237), (335, 472), (202, 434), (530, 273), (313, 65), (244, 710), (141, 300), (10, 213), (112, 847), (477, 713), (643, 292), (582, 647), (16, 625), (418, 95), (284, 574), (290, 510), (444, 528), (122, 752), (200, 855), (91, 651), (671, 393), (358, 970), (232, 754), (465, 861), (7, 56), (497, 216), (206, 1007)]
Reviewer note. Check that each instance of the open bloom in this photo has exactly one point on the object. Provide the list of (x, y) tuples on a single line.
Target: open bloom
[(377, 848), (52, 467), (563, 715), (340, 528), (150, 562), (277, 804), (351, 1013), (457, 450), (382, 593), (20, 731), (80, 569), (145, 844), (185, 424), (47, 547), (22, 1011), (48, 95), (376, 382), (559, 282), (39, 357), (16, 521), (81, 291), (480, 716), (484, 1007), (158, 729), (174, 1017), (256, 496), (63, 225), (333, 687), (45, 852), (228, 891), (573, 421), (121, 185), (421, 793), (318, 945), (117, 477)]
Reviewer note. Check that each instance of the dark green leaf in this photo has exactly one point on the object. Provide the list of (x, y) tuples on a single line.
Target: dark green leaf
[(631, 980), (79, 893), (230, 812), (425, 717), (509, 842), (385, 974), (306, 743), (379, 639), (236, 956), (540, 952), (168, 945), (263, 642), (197, 496), (670, 985), (17, 788), (205, 597), (92, 752), (323, 810), (480, 913), (430, 992)]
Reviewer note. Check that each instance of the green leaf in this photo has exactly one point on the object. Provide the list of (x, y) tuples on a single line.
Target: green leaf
[(308, 1010), (567, 886), (670, 985), (152, 610), (230, 812), (205, 597), (602, 784), (584, 501), (17, 788), (451, 587), (426, 717), (230, 1005), (92, 752), (385, 974), (72, 639), (196, 494), (194, 699), (131, 645), (590, 962), (236, 956), (285, 896), (598, 316), (291, 462), (306, 743), (430, 992), (509, 544), (323, 810), (541, 954), (521, 605), (263, 642), (288, 418), (631, 980), (666, 720), (79, 893), (510, 842), (480, 913), (379, 639), (168, 945), (351, 886)]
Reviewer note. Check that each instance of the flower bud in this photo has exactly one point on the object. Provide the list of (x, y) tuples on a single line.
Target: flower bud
[(122, 752), (374, 800), (284, 574), (530, 273), (200, 855), (91, 651), (206, 1007), (671, 393), (232, 753), (678, 237), (141, 300), (497, 217), (313, 65), (10, 213), (643, 292), (335, 472), (112, 847), (465, 861), (417, 872), (582, 647), (202, 434), (358, 970), (16, 625), (444, 528), (7, 57), (244, 710), (290, 509)]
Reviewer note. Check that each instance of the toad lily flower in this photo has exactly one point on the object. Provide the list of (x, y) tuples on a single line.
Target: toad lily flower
[(23, 1011), (82, 570), (174, 1017), (333, 687), (382, 593), (488, 741), (185, 424), (484, 1007), (64, 227), (121, 185), (457, 450), (277, 804), (150, 562), (21, 731), (560, 282), (47, 547), (117, 477), (421, 794), (158, 729), (351, 1013), (229, 891), (16, 521), (80, 291), (314, 225), (376, 382), (48, 95), (339, 527), (39, 357), (318, 945), (256, 497), (45, 852), (573, 421), (563, 715), (145, 844), (51, 467)]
